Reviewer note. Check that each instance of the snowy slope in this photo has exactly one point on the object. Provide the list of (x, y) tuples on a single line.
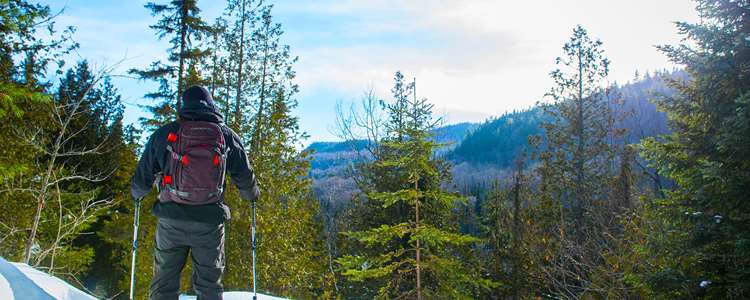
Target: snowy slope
[(5, 292), (52, 285), (20, 281)]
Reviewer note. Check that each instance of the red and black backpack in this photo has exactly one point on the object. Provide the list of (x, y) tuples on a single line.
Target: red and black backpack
[(196, 167)]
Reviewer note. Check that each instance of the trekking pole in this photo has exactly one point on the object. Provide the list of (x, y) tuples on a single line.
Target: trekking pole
[(255, 293), (135, 246)]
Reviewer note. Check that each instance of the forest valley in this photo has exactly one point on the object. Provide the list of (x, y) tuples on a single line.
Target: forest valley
[(633, 191)]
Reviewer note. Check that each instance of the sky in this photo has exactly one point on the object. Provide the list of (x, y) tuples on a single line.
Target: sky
[(472, 59)]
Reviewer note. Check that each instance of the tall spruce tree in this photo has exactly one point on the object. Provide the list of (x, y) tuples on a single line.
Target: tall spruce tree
[(289, 230), (411, 250), (215, 66), (180, 22), (579, 157), (702, 247), (274, 66), (244, 14), (290, 245), (32, 107), (581, 121)]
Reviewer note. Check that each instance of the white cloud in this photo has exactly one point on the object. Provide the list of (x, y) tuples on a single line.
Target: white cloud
[(488, 56), (480, 57)]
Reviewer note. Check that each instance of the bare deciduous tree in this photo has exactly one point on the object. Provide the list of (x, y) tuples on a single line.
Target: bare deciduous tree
[(59, 162)]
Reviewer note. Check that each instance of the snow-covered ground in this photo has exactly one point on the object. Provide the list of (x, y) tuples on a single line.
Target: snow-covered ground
[(21, 282), (5, 292)]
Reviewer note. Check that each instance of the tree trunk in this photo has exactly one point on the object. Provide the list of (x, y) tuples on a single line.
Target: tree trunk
[(578, 207), (41, 196), (214, 64), (418, 261), (34, 226), (517, 227), (59, 229), (227, 88), (256, 135), (238, 97), (498, 227), (48, 174), (183, 41)]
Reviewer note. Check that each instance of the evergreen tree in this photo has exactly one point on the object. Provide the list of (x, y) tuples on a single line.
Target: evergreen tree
[(581, 122), (412, 251), (32, 110), (26, 30), (245, 16), (215, 66), (181, 23), (505, 218), (274, 70), (289, 230), (702, 246), (578, 159)]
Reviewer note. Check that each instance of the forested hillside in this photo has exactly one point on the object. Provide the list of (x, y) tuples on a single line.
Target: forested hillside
[(498, 141), (480, 153), (600, 190), (333, 155)]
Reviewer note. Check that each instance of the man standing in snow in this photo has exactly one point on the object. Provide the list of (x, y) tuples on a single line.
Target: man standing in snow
[(187, 161)]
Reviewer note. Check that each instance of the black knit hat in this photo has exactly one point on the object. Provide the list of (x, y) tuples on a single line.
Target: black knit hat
[(197, 97), (197, 104)]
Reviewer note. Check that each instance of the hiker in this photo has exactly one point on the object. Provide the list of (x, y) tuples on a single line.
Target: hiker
[(187, 161)]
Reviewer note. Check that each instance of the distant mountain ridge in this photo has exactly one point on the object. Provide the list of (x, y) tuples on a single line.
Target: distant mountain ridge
[(499, 140), (331, 161), (326, 147), (449, 134), (328, 155), (483, 151)]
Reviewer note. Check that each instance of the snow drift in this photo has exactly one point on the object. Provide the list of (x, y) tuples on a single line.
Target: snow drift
[(21, 282)]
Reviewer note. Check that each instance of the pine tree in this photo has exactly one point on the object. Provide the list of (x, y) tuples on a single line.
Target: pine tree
[(215, 66), (289, 242), (245, 18), (703, 245), (581, 121), (579, 157), (181, 23), (412, 251), (82, 181), (274, 68)]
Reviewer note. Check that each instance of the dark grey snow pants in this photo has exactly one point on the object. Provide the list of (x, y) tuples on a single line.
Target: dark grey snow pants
[(174, 240)]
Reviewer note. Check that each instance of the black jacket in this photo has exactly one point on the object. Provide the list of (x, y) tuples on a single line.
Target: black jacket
[(154, 160)]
